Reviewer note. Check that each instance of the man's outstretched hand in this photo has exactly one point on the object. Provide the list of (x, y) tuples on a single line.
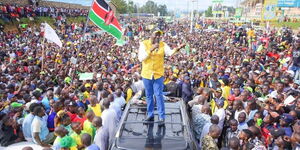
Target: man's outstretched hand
[(180, 47)]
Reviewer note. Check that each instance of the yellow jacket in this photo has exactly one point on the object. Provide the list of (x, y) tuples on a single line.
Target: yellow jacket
[(213, 105), (153, 65)]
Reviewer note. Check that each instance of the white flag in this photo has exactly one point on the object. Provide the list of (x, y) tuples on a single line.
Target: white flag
[(51, 35)]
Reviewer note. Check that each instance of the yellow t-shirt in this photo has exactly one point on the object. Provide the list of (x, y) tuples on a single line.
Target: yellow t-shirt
[(96, 109), (129, 94), (77, 137), (86, 94), (213, 105), (226, 92), (89, 128)]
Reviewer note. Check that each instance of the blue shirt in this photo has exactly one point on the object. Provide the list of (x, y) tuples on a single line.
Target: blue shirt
[(46, 103), (288, 131), (50, 121), (39, 125), (26, 126), (92, 147)]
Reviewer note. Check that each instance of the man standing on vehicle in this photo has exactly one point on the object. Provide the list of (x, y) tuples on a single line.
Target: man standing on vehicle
[(151, 54)]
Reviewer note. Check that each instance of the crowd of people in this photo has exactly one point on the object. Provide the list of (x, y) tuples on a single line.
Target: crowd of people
[(240, 83), (9, 12)]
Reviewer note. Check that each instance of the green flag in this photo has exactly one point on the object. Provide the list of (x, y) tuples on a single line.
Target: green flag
[(120, 42), (187, 49)]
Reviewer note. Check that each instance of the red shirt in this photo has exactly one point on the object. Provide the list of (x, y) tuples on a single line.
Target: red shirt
[(72, 116), (78, 119), (274, 55)]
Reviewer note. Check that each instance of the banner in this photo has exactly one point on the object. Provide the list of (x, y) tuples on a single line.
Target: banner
[(269, 10), (86, 76), (51, 35), (288, 3), (238, 13)]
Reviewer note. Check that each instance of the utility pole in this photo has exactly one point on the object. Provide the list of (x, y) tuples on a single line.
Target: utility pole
[(192, 17)]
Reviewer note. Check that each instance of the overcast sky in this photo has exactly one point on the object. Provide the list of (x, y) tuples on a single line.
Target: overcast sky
[(171, 4)]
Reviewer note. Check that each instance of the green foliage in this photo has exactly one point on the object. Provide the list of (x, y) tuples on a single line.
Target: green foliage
[(149, 7), (120, 5), (163, 10), (153, 8), (131, 7), (37, 21), (208, 12)]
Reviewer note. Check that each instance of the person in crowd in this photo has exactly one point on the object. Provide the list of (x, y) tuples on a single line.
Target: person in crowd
[(200, 120), (39, 131), (234, 143), (26, 125), (232, 131), (101, 137), (62, 140), (208, 141), (151, 52), (87, 125), (245, 137), (187, 93), (220, 112), (214, 120), (86, 140), (259, 78), (7, 134), (95, 106), (242, 121), (109, 119), (76, 133), (173, 87)]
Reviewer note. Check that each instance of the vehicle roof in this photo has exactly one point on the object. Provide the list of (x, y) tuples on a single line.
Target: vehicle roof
[(135, 135)]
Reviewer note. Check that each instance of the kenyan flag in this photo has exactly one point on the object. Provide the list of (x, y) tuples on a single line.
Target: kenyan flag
[(103, 16)]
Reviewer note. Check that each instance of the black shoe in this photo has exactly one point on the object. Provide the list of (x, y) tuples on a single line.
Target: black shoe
[(149, 119), (161, 122)]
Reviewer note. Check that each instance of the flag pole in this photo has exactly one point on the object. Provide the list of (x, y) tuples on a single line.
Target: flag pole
[(43, 49), (43, 52), (82, 39)]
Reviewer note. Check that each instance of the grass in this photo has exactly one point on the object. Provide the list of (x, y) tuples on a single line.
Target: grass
[(37, 21)]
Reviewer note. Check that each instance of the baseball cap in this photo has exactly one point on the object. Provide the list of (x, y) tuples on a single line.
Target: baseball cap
[(16, 105), (72, 104), (156, 30), (220, 102), (10, 96), (186, 78), (231, 98), (287, 118), (218, 90), (87, 85), (277, 133)]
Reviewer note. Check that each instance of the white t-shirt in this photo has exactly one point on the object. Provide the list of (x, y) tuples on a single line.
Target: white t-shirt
[(36, 126), (221, 114)]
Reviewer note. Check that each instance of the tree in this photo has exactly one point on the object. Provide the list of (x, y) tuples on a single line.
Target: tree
[(120, 5), (149, 7), (131, 7), (208, 12), (162, 9)]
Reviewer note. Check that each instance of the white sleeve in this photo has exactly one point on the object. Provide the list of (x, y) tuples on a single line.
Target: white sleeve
[(36, 126), (168, 51), (142, 55)]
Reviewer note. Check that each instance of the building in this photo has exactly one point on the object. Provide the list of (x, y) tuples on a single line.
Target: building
[(253, 9)]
